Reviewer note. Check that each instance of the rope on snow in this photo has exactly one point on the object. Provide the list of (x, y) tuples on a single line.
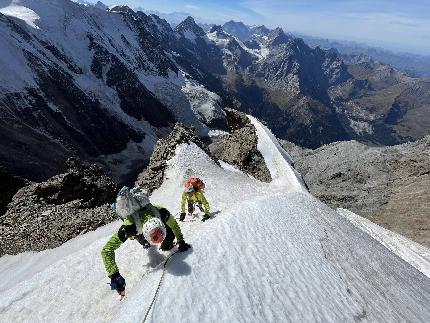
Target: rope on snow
[(158, 287)]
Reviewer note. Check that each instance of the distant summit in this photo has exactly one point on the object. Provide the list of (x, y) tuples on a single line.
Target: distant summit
[(189, 25), (260, 30), (237, 29), (278, 37), (101, 5), (122, 9)]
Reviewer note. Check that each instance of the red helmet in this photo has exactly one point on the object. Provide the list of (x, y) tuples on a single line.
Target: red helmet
[(189, 187), (154, 231), (194, 184), (156, 236)]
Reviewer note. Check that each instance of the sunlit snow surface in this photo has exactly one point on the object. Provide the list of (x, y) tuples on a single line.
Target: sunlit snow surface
[(13, 8), (272, 253), (410, 251)]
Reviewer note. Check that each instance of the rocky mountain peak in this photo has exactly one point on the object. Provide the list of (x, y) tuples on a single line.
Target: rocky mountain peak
[(189, 25), (122, 9), (277, 32), (240, 147), (216, 29), (278, 37), (101, 5), (237, 29), (152, 177), (260, 30)]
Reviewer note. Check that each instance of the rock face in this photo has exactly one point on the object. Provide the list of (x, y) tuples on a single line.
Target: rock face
[(388, 185), (311, 97), (101, 94), (45, 215), (113, 91), (152, 177), (240, 148), (9, 185)]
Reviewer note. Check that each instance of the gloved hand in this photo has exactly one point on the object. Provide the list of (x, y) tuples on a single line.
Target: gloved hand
[(117, 282), (183, 246), (206, 217), (166, 245), (182, 216), (141, 239)]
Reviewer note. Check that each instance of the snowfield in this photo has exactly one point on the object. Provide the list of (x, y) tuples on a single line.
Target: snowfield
[(15, 9), (272, 253)]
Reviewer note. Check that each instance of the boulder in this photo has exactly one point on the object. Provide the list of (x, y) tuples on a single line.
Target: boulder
[(240, 148), (9, 185), (45, 215)]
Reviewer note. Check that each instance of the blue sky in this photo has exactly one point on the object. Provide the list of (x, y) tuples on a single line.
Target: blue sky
[(399, 25)]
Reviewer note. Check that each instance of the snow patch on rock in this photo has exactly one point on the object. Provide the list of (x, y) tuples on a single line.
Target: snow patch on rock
[(14, 9)]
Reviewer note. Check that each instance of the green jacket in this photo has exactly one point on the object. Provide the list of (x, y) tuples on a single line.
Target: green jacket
[(128, 229), (196, 197)]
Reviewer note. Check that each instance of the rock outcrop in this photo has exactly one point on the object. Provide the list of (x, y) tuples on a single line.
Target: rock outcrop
[(152, 177), (240, 148), (45, 215), (388, 185), (9, 185)]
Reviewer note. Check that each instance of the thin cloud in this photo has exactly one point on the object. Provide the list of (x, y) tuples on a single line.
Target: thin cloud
[(399, 25), (192, 7)]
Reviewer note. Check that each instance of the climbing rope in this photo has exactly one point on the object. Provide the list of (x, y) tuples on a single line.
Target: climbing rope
[(158, 287)]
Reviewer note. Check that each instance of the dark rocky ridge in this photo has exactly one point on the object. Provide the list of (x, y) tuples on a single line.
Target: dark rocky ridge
[(311, 97), (75, 111), (9, 185), (306, 95), (152, 177), (388, 185), (45, 215), (240, 147)]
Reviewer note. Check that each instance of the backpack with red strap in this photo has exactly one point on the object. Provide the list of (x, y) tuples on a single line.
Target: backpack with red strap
[(194, 183)]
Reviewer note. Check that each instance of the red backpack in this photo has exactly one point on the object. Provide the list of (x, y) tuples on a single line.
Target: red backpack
[(196, 182)]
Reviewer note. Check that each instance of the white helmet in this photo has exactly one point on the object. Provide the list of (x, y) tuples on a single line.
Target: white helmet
[(154, 231)]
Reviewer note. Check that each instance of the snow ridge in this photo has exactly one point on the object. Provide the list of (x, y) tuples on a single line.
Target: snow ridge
[(271, 253)]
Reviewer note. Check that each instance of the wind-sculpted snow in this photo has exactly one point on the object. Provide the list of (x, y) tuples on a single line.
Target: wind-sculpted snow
[(283, 258), (271, 253)]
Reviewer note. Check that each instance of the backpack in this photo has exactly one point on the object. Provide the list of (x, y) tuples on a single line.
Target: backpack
[(196, 182), (130, 201)]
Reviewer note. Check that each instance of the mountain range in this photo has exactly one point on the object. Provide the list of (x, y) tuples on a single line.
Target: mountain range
[(111, 81), (151, 105)]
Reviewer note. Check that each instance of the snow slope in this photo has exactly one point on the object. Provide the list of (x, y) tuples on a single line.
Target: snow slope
[(410, 251), (272, 253), (14, 9), (67, 26), (55, 55)]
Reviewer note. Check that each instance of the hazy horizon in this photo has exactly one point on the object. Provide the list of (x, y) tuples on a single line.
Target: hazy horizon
[(388, 24)]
